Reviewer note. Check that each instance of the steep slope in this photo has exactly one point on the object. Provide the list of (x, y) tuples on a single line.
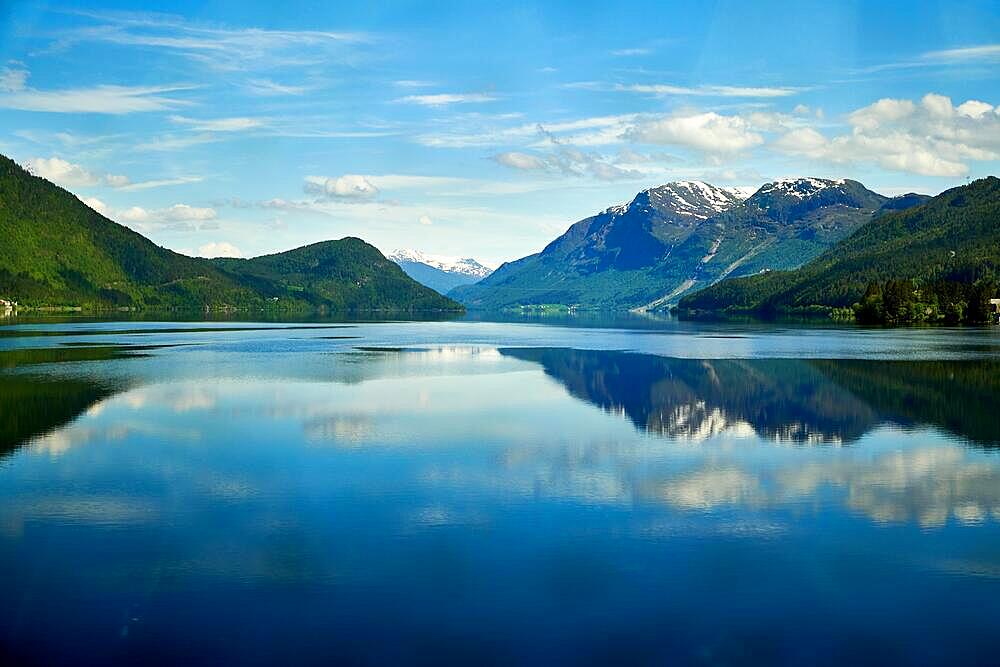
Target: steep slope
[(439, 273), (954, 237), (672, 239), (609, 260), (56, 251)]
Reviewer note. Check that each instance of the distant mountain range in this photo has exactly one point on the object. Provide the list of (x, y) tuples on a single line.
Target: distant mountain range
[(56, 251), (440, 273), (943, 254), (679, 237)]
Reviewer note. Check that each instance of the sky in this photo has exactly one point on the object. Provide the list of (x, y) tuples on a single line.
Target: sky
[(479, 129)]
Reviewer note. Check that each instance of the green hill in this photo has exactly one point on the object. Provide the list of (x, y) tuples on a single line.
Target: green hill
[(347, 274), (56, 251), (938, 260)]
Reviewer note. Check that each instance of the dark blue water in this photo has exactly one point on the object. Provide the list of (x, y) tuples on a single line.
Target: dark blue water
[(474, 492)]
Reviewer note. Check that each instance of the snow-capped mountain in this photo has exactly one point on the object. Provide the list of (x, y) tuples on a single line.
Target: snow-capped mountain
[(694, 199), (800, 188), (678, 237), (439, 272), (464, 266)]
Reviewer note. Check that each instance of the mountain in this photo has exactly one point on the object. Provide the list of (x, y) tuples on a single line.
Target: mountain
[(56, 251), (441, 274), (673, 238), (947, 245)]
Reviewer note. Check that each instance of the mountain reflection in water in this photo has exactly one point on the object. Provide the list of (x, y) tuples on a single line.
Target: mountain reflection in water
[(804, 401), (269, 497)]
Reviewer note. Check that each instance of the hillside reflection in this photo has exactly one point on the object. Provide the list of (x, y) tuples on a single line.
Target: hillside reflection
[(802, 401)]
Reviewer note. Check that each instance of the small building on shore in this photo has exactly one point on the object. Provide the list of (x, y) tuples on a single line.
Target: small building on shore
[(995, 310)]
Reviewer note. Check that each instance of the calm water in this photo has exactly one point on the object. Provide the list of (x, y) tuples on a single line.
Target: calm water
[(476, 492)]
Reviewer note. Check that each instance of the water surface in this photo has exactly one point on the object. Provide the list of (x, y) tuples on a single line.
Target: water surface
[(481, 492)]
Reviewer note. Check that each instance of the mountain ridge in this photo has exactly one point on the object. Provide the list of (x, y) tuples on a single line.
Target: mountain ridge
[(58, 252), (672, 238)]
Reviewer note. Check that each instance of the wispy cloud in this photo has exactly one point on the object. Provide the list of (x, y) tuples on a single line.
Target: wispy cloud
[(708, 90), (160, 183), (173, 142), (965, 54), (235, 124), (592, 131), (444, 99), (220, 47), (103, 99), (269, 88), (625, 53), (413, 83), (567, 160), (13, 79)]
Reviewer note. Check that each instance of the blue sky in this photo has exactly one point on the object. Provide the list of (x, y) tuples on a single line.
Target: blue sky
[(479, 129)]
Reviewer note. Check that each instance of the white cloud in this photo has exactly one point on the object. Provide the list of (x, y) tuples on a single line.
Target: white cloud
[(12, 79), (932, 138), (133, 214), (444, 99), (886, 110), (802, 141), (69, 174), (709, 132), (72, 175), (938, 106), (236, 124), (974, 109), (219, 249), (425, 220), (349, 186), (96, 204), (179, 217), (516, 160), (183, 212)]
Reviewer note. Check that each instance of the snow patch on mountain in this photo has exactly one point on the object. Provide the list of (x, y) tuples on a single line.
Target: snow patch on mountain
[(694, 199), (465, 266), (800, 188)]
